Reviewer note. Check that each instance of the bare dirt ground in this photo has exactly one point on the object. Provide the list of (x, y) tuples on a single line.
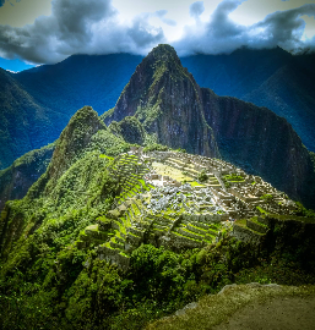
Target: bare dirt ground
[(281, 313)]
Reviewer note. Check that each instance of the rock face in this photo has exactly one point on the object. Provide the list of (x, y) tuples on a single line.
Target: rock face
[(169, 103), (261, 143), (165, 98), (272, 78)]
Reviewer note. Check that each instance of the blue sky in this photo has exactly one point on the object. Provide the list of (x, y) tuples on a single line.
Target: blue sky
[(34, 32)]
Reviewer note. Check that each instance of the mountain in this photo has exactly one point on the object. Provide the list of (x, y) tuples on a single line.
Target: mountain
[(80, 80), (168, 102), (24, 124), (271, 78), (113, 236), (36, 104), (165, 98)]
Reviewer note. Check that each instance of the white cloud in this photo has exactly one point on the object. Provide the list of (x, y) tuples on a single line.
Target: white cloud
[(78, 26), (221, 34)]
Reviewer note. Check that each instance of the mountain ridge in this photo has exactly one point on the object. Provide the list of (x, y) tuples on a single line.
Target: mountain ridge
[(59, 90)]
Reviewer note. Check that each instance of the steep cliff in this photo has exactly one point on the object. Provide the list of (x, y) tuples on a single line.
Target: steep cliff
[(262, 143), (169, 103), (272, 78), (166, 100)]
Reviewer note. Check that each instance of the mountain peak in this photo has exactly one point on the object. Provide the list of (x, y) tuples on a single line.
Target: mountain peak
[(165, 99), (163, 55), (73, 139), (163, 52)]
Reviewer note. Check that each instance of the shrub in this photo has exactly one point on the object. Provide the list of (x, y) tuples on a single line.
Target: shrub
[(203, 176)]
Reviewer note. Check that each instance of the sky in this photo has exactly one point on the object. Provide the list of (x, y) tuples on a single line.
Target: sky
[(35, 32)]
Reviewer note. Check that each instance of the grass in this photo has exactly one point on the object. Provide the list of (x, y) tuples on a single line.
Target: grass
[(254, 219), (186, 237), (212, 310), (196, 184), (193, 233), (261, 210), (172, 172)]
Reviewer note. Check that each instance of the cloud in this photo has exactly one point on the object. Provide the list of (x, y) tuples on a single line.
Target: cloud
[(222, 35), (161, 14), (95, 27), (196, 9), (78, 26)]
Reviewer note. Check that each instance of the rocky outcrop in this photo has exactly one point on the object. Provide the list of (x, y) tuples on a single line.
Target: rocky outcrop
[(169, 103)]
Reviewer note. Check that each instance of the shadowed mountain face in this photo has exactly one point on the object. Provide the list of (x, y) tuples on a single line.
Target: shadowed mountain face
[(166, 100), (169, 103), (272, 78), (24, 123)]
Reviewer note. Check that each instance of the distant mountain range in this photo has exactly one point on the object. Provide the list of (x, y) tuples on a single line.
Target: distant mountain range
[(46, 97)]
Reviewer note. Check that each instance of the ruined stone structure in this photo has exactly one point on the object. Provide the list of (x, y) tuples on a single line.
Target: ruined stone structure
[(162, 202)]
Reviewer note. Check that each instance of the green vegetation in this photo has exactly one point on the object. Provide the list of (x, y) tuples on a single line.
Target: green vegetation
[(233, 178), (67, 258), (202, 177), (302, 211), (261, 210), (155, 147), (130, 129), (267, 197), (196, 184), (17, 179), (69, 288)]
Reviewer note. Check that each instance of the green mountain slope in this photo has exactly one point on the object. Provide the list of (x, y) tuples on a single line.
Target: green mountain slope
[(24, 124), (84, 249), (18, 178), (271, 78)]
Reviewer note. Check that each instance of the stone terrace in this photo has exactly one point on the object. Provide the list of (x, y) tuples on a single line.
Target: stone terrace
[(163, 203)]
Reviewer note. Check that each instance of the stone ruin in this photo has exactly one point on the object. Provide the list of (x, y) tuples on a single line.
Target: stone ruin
[(155, 207)]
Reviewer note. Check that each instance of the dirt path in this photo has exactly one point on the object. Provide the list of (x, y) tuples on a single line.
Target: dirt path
[(282, 313)]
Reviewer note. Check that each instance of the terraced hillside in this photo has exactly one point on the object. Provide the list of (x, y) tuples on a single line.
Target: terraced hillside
[(163, 202), (111, 225)]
